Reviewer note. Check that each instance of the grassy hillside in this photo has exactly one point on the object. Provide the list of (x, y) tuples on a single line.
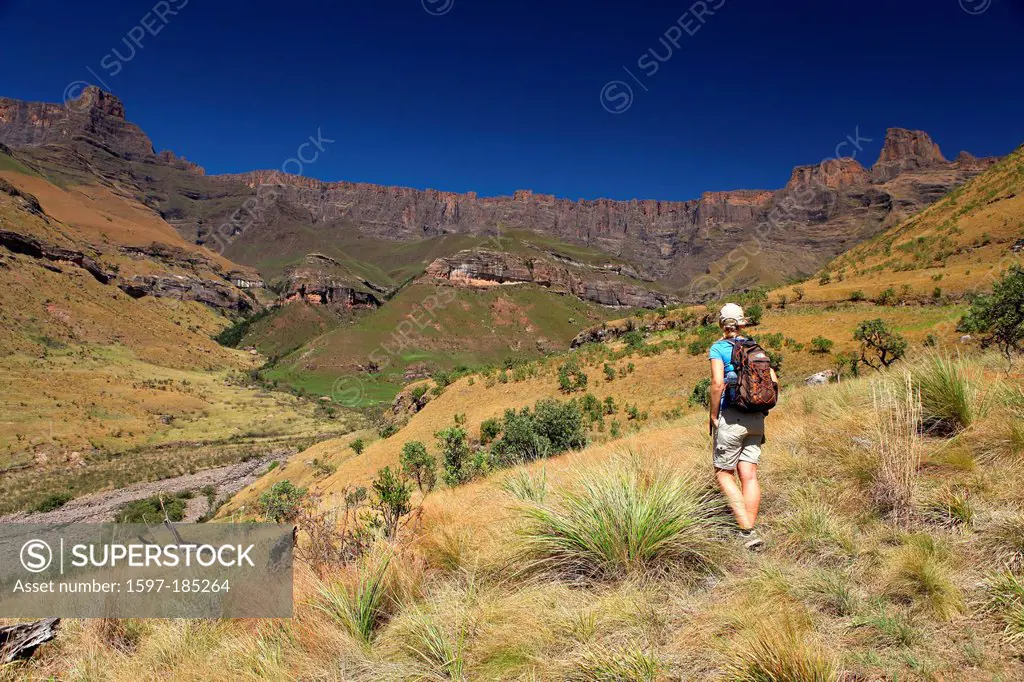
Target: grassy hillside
[(954, 247), (101, 389), (843, 590), (439, 328)]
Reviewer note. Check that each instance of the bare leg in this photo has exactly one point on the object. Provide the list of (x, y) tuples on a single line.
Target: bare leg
[(731, 490), (751, 490)]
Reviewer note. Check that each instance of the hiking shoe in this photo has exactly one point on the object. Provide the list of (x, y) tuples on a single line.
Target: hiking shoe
[(751, 540)]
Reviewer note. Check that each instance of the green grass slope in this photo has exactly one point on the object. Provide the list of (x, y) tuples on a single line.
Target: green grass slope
[(436, 328)]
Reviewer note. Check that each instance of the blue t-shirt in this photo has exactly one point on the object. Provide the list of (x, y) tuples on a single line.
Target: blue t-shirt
[(722, 350)]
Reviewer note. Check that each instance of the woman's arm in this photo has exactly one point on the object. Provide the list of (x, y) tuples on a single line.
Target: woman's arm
[(717, 388)]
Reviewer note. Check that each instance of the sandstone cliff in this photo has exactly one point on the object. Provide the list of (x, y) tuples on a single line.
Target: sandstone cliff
[(483, 268), (96, 117)]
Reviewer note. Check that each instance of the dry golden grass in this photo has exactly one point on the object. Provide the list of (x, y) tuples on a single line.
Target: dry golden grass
[(854, 595)]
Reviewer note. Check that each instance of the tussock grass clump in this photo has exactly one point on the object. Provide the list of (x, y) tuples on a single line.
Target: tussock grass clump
[(951, 507), (921, 574), (953, 394), (1003, 542), (364, 607), (898, 447), (814, 529), (627, 664), (834, 592), (999, 439), (525, 486), (622, 519), (438, 647), (890, 628), (781, 654), (1006, 598)]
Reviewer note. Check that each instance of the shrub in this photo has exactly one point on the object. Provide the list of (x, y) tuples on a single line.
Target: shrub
[(880, 346), (571, 376), (550, 428), (622, 519), (799, 293), (358, 445), (634, 339), (52, 501), (489, 430), (819, 344), (149, 510), (453, 443), (887, 298), (700, 396), (419, 465), (826, 278), (322, 468), (283, 502), (999, 316), (754, 313), (951, 398), (609, 406), (609, 372), (857, 296), (387, 429), (391, 500)]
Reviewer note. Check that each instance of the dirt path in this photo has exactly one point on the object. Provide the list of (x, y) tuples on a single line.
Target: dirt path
[(98, 507)]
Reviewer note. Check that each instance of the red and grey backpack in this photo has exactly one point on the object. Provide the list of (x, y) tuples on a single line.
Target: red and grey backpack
[(754, 391)]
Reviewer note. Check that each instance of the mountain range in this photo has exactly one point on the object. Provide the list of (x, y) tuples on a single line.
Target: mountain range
[(272, 221)]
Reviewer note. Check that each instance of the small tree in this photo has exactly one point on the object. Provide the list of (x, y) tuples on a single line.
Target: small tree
[(489, 430), (880, 346), (609, 372), (754, 313), (1000, 315), (819, 344), (571, 376), (634, 339), (701, 395), (283, 502), (391, 499), (453, 443), (419, 465), (358, 445)]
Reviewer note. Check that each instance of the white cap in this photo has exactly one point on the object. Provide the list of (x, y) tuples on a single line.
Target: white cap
[(733, 313)]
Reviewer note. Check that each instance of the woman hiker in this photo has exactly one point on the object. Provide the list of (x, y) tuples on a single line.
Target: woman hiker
[(737, 434)]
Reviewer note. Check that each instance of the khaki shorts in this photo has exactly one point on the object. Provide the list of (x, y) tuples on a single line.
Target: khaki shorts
[(739, 438)]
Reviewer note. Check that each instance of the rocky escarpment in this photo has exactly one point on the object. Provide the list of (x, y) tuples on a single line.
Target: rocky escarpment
[(213, 293), (95, 116), (187, 288), (323, 280), (37, 248), (824, 208), (489, 268)]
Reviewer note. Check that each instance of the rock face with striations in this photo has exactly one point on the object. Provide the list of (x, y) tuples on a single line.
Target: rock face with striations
[(483, 268), (321, 279), (823, 210), (96, 116)]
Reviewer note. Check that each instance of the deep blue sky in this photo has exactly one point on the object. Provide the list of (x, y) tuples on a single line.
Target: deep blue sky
[(497, 95)]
